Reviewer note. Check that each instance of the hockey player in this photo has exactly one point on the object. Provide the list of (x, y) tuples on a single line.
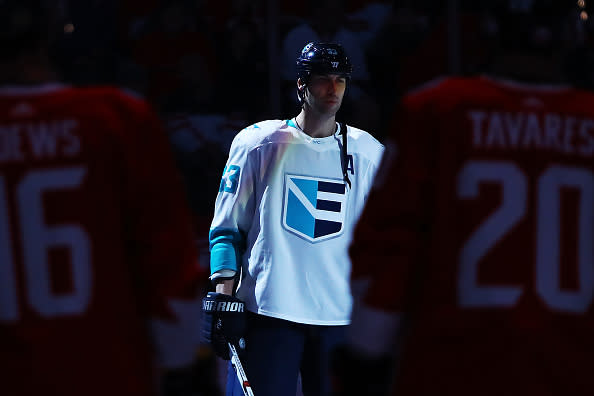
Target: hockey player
[(482, 280), (96, 247), (288, 200)]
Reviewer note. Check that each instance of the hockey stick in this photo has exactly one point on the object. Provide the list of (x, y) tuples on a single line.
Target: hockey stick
[(243, 381)]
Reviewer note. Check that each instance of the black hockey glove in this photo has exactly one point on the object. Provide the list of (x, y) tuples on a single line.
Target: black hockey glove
[(352, 374), (223, 322)]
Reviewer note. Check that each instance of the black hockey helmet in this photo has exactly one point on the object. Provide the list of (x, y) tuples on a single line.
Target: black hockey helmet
[(323, 58)]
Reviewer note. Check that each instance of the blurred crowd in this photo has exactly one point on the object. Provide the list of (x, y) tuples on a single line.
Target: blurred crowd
[(211, 67)]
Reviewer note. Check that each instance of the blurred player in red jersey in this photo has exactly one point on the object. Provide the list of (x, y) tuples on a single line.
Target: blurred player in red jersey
[(97, 260), (474, 255)]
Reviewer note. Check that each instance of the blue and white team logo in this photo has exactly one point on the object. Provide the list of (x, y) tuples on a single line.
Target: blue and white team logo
[(314, 208)]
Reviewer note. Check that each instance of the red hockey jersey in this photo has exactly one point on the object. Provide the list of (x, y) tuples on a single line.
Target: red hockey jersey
[(481, 235), (95, 240)]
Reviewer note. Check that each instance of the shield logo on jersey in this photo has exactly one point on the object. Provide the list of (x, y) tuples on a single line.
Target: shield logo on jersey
[(314, 208)]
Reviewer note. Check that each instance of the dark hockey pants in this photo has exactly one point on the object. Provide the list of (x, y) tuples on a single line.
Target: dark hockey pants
[(278, 350)]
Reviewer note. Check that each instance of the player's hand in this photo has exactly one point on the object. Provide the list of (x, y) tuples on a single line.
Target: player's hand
[(353, 374), (223, 322)]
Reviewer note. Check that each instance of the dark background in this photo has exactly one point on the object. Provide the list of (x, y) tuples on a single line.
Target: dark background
[(213, 67)]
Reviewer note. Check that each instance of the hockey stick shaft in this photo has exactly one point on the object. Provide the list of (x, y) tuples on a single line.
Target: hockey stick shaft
[(243, 381)]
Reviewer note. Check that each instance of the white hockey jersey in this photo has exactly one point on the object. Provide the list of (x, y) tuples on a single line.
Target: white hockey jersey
[(285, 215)]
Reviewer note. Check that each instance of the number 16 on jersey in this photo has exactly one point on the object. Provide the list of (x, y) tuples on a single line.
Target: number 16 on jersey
[(37, 238)]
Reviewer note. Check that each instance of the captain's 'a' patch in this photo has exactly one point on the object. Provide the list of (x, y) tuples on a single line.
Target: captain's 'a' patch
[(314, 208)]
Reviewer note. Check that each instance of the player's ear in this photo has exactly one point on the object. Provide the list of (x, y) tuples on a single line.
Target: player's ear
[(300, 85)]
